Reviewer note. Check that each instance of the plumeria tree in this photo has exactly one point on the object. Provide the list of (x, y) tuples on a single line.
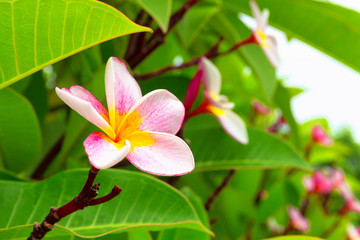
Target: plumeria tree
[(163, 120)]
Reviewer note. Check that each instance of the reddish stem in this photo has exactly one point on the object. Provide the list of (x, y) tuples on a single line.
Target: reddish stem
[(85, 198)]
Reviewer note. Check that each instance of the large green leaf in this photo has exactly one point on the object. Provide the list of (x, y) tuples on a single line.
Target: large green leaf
[(145, 203), (160, 10), (214, 149), (19, 128), (327, 27), (37, 33)]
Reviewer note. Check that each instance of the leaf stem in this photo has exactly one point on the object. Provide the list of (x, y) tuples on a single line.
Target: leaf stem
[(85, 198)]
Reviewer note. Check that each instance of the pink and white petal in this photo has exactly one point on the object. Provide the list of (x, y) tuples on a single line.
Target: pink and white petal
[(297, 220), (169, 155), (211, 78), (352, 232), (256, 12), (103, 152), (159, 111), (271, 51), (87, 105), (234, 126), (193, 90), (264, 19), (122, 90)]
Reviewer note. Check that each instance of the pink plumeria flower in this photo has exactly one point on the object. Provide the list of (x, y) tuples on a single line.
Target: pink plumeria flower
[(353, 233), (216, 104), (260, 108), (318, 183), (297, 220), (266, 42), (320, 136), (139, 128)]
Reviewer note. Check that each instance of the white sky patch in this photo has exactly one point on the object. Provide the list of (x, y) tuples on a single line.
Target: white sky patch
[(332, 90)]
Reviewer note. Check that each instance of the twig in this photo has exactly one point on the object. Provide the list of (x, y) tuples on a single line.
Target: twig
[(260, 193), (332, 228), (48, 159), (218, 190), (159, 36), (85, 198), (210, 54)]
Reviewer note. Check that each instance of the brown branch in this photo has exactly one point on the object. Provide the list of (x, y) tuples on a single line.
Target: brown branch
[(210, 54), (85, 198), (218, 190), (158, 37), (48, 159)]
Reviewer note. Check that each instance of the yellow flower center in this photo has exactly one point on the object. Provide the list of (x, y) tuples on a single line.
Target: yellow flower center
[(262, 37), (129, 129)]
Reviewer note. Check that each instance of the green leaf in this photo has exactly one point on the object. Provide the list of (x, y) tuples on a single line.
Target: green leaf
[(214, 149), (180, 233), (335, 32), (192, 23), (19, 127), (39, 33), (145, 203), (294, 238), (160, 10)]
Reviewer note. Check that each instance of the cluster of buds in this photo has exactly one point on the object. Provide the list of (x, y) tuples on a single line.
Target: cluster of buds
[(321, 183)]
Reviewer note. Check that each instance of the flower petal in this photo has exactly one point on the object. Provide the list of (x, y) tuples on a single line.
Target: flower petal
[(193, 90), (168, 156), (87, 105), (122, 90), (211, 77), (103, 152), (233, 125), (157, 111), (271, 51), (256, 12)]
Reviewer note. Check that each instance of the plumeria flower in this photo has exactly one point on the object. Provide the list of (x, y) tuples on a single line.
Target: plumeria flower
[(297, 220), (139, 128), (266, 42), (214, 103), (320, 136), (274, 226), (353, 233)]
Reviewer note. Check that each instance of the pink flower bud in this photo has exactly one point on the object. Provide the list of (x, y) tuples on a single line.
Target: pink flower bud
[(320, 136), (260, 108), (297, 220)]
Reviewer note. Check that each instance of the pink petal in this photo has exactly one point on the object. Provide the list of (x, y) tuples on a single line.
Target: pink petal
[(271, 51), (297, 220), (309, 184), (256, 12), (87, 105), (122, 90), (211, 78), (233, 125), (168, 156), (103, 152), (323, 184), (158, 111), (352, 232), (193, 90)]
